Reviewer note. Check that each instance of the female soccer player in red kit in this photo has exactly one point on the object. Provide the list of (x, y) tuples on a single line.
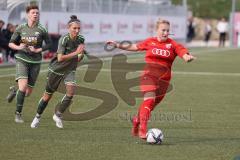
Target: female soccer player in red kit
[(161, 51)]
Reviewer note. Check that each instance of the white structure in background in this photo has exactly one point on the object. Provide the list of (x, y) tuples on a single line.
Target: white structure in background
[(102, 20), (236, 29), (234, 33)]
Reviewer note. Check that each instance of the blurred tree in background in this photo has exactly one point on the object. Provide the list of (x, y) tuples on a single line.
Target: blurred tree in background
[(210, 8)]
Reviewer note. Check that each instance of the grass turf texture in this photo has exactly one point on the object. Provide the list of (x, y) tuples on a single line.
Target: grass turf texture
[(199, 118)]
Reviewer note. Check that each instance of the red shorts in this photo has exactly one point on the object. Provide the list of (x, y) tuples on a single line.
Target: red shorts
[(150, 83), (156, 78)]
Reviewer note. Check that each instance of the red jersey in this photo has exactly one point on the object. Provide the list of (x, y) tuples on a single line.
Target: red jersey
[(160, 56), (162, 53)]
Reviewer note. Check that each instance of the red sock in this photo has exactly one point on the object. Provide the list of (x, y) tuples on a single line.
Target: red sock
[(145, 111)]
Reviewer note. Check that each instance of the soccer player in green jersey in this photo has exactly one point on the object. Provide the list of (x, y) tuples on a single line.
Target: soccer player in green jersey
[(62, 68), (28, 41)]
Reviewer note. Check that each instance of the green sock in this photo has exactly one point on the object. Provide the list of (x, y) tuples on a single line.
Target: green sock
[(41, 106), (65, 103), (20, 101)]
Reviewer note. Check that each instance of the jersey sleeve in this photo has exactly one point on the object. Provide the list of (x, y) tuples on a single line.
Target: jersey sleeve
[(179, 49), (81, 39), (61, 45), (16, 35), (143, 45)]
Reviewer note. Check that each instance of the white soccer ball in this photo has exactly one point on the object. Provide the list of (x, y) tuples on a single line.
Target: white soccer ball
[(154, 136)]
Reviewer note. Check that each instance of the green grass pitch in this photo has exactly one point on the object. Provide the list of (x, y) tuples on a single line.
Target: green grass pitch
[(199, 117)]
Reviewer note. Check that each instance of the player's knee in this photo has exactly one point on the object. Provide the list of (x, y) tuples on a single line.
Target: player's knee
[(22, 87), (46, 97), (149, 103), (149, 95), (70, 93), (70, 89), (23, 84)]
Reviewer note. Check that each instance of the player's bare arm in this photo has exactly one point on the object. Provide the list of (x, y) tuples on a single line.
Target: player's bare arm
[(17, 47), (79, 50)]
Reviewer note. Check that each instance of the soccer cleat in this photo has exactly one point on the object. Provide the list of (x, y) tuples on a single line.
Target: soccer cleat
[(135, 127), (58, 121), (142, 133), (12, 94), (35, 123), (18, 117)]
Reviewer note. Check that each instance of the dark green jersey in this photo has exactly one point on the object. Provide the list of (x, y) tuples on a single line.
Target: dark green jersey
[(31, 36), (66, 45)]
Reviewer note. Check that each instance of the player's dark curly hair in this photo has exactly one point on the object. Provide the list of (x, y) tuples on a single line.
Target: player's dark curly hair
[(73, 19), (28, 8)]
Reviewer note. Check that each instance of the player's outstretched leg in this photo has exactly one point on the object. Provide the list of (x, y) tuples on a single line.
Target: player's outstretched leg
[(41, 107), (62, 106), (144, 115), (19, 106)]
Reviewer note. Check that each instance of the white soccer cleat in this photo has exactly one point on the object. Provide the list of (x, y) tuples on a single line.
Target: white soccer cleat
[(18, 117), (58, 121), (35, 123)]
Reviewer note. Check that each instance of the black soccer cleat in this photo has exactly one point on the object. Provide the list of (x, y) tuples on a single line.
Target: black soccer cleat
[(12, 94)]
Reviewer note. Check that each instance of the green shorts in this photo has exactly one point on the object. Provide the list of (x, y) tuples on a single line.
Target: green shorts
[(25, 70), (55, 79)]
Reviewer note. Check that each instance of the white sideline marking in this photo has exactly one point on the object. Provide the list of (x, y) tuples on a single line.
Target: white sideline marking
[(191, 73), (142, 58), (207, 73), (133, 56)]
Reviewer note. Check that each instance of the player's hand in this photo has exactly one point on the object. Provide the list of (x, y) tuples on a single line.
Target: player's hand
[(188, 57), (80, 49), (22, 46), (32, 49), (80, 57)]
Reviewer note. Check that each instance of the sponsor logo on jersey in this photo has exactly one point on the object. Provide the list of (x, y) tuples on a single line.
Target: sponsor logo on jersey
[(160, 52), (29, 39), (168, 46)]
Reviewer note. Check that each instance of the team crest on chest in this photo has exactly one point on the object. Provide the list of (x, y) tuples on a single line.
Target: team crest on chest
[(153, 43), (168, 46)]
